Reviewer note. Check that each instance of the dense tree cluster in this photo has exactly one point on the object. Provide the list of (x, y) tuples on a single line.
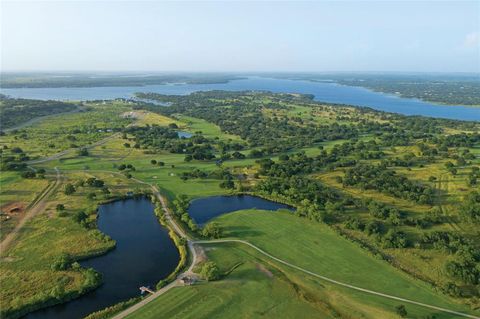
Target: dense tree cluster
[(242, 114), (180, 205), (379, 178), (470, 208), (154, 138), (452, 91)]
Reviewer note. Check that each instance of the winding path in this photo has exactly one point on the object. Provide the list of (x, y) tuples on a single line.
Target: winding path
[(336, 282), (189, 271)]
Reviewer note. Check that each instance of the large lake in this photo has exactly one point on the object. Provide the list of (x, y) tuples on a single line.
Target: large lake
[(144, 254), (204, 209), (323, 91)]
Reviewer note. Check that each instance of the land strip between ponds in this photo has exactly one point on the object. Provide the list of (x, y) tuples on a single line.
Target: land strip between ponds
[(36, 206), (191, 247), (181, 234), (333, 281)]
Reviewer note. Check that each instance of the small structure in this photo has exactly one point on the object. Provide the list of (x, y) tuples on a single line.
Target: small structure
[(187, 281), (15, 209), (144, 289)]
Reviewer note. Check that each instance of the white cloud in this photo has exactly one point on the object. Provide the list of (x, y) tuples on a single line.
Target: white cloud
[(472, 40)]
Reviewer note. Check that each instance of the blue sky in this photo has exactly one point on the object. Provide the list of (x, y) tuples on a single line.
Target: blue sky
[(241, 36)]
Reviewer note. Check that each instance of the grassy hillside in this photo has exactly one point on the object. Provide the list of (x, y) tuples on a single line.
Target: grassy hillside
[(254, 286)]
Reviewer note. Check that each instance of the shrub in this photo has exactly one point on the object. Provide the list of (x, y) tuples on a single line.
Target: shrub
[(209, 271)]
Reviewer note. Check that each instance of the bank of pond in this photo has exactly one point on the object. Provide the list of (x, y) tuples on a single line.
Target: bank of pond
[(202, 210), (144, 252)]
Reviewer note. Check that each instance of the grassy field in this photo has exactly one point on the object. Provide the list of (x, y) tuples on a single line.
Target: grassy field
[(16, 193), (260, 287), (26, 276), (65, 131), (252, 289), (253, 285)]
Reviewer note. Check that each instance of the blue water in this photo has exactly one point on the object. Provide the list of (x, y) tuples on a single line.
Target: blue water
[(323, 91), (184, 134), (144, 254), (204, 209)]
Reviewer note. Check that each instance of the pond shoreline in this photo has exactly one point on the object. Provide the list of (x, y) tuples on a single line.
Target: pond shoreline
[(47, 310)]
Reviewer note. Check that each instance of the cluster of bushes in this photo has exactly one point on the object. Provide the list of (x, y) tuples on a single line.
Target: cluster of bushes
[(470, 208), (157, 137), (379, 178), (179, 242), (180, 205), (464, 264), (93, 182), (209, 271), (112, 310), (15, 161), (295, 189), (390, 238), (159, 163), (127, 169)]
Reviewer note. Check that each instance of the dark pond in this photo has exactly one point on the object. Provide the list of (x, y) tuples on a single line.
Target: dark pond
[(204, 209), (144, 254)]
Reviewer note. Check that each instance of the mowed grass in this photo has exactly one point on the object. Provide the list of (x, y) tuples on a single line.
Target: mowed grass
[(251, 289), (317, 248), (254, 286)]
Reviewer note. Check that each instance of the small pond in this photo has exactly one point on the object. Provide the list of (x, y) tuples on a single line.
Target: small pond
[(204, 209), (144, 254), (184, 134)]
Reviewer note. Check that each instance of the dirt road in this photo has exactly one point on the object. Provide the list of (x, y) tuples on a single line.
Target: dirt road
[(36, 207)]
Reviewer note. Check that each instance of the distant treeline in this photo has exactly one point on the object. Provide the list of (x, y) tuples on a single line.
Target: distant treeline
[(92, 80), (17, 111)]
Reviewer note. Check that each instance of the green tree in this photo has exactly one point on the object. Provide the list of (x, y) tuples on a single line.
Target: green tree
[(69, 189), (209, 271), (212, 230), (82, 151), (401, 311)]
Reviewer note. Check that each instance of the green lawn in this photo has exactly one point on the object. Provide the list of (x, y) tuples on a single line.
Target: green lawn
[(317, 248), (261, 287), (253, 289)]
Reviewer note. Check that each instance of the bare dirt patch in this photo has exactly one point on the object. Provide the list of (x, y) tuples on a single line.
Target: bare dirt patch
[(12, 210), (201, 256), (263, 269)]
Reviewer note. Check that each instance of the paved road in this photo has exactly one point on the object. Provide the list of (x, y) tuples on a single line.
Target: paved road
[(36, 207), (336, 282)]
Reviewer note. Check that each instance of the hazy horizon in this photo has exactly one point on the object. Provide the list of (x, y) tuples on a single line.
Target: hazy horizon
[(241, 37)]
